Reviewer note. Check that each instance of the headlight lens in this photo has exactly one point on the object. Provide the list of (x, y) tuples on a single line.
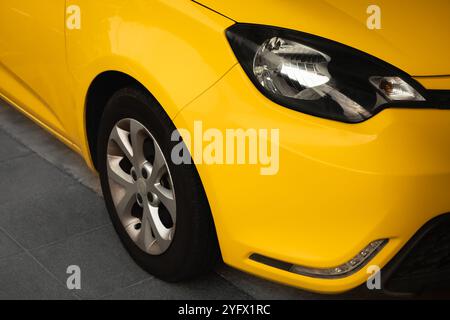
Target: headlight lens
[(288, 68), (318, 76)]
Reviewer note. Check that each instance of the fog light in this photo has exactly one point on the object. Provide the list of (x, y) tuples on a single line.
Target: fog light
[(343, 270)]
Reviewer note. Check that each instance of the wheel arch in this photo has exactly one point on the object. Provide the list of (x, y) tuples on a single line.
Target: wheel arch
[(100, 91)]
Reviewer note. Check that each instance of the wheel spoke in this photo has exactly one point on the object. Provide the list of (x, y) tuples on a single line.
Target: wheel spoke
[(158, 167), (163, 236), (145, 239), (116, 173), (124, 206), (120, 137), (167, 198), (137, 136)]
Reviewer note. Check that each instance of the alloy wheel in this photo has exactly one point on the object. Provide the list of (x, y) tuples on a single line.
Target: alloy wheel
[(141, 186)]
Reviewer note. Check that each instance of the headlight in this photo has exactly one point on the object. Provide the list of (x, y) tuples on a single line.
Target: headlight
[(318, 76)]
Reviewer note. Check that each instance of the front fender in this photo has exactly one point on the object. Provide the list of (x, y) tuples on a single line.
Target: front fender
[(146, 42)]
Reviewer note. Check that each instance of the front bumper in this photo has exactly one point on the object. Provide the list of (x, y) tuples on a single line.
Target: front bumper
[(339, 186)]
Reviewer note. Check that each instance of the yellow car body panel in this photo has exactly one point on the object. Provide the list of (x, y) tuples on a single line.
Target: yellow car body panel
[(339, 187), (143, 41), (146, 42), (413, 35), (32, 56)]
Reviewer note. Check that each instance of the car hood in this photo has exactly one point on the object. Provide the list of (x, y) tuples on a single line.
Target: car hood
[(414, 35)]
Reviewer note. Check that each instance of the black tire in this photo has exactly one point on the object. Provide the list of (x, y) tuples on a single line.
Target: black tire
[(194, 248)]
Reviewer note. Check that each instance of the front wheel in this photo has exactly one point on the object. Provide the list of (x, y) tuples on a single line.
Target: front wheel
[(159, 209)]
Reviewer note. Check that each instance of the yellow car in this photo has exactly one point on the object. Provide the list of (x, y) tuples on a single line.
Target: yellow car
[(349, 100)]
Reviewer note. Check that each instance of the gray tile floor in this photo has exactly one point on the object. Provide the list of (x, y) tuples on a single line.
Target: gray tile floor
[(52, 216)]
